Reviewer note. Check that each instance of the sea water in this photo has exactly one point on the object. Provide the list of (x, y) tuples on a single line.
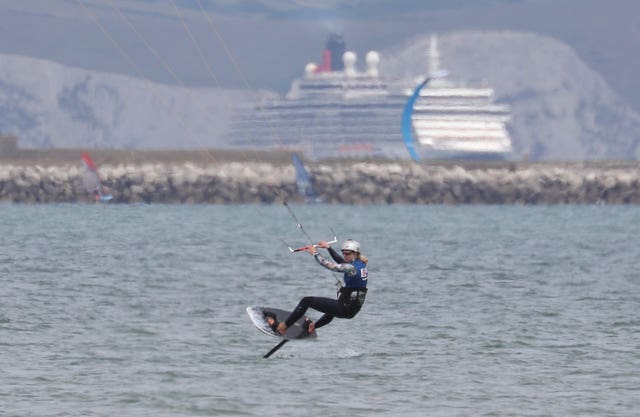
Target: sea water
[(139, 310)]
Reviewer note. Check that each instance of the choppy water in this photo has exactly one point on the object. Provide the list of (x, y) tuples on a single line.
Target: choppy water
[(473, 311)]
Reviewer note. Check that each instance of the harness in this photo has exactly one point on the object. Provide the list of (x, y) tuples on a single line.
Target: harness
[(353, 297)]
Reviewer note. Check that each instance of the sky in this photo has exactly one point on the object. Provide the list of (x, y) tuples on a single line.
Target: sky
[(264, 44)]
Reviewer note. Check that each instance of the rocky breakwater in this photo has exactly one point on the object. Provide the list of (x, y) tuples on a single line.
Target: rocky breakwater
[(336, 182)]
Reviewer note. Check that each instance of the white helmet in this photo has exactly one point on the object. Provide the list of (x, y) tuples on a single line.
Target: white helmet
[(351, 245)]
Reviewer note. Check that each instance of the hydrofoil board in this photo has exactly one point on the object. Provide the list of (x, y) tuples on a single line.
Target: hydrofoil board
[(259, 317)]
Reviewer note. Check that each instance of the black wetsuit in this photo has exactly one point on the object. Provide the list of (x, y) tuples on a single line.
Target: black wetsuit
[(350, 297)]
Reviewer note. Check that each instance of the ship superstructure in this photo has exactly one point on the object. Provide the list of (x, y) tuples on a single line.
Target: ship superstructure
[(336, 111)]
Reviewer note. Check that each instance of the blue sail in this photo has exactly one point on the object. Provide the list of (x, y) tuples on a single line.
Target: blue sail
[(304, 183), (407, 125)]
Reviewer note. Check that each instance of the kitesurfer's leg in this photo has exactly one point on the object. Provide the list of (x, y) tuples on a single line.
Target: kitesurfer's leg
[(321, 304), (324, 320)]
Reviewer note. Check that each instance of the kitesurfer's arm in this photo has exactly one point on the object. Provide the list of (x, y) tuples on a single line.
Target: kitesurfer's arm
[(337, 267), (335, 255), (337, 258)]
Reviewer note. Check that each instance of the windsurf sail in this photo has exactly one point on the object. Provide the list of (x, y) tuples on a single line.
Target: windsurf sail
[(91, 179), (407, 123), (304, 182)]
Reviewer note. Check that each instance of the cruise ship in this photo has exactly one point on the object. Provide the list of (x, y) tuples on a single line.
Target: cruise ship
[(336, 111)]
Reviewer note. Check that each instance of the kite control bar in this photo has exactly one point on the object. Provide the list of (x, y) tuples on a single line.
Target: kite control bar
[(331, 242)]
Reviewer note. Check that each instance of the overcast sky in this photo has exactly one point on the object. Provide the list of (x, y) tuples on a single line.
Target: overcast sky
[(265, 43)]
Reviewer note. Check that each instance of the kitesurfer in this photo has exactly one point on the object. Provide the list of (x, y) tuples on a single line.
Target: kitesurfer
[(351, 296)]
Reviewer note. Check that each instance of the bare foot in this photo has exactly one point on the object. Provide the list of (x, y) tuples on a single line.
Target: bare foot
[(271, 320), (282, 328), (309, 326)]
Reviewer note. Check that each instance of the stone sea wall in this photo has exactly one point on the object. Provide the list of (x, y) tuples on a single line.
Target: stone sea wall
[(346, 182)]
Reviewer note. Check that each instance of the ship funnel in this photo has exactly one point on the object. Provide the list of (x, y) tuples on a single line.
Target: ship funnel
[(336, 48), (332, 55), (325, 65)]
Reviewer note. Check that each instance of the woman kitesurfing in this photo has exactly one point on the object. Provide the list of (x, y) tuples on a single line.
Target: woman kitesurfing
[(351, 296), (352, 264)]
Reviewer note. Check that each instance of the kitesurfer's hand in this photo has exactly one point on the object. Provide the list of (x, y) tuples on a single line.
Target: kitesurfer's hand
[(322, 244), (311, 249)]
